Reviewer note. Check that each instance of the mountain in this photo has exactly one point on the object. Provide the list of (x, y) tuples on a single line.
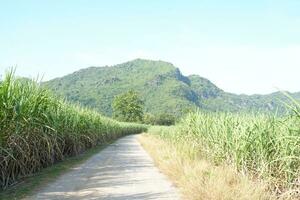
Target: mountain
[(161, 85)]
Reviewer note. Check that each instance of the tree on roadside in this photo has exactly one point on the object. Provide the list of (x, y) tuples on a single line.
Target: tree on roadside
[(128, 107)]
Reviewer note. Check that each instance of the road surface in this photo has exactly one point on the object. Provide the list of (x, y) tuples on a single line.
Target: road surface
[(123, 170)]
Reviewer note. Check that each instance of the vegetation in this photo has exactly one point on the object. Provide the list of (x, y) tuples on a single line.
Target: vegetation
[(161, 86), (263, 147), (128, 107), (165, 119), (198, 178), (161, 119), (37, 129)]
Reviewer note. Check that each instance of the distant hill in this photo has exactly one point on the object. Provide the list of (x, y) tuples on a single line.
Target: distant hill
[(162, 86)]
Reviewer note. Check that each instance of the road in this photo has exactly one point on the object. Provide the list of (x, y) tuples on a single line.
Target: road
[(123, 170)]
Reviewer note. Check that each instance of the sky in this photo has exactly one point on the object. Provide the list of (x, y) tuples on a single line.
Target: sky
[(250, 47)]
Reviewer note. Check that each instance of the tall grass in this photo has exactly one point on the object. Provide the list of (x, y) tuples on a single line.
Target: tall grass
[(37, 129), (261, 146)]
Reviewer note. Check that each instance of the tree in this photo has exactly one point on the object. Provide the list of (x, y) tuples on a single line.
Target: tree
[(128, 107)]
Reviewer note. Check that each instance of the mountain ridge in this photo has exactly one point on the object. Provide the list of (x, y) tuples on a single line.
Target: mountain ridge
[(162, 86)]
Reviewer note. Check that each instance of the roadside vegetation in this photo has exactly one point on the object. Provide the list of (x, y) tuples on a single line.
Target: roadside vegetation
[(196, 177), (163, 119), (37, 129), (261, 149)]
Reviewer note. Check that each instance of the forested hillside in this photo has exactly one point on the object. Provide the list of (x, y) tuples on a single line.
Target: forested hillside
[(161, 85)]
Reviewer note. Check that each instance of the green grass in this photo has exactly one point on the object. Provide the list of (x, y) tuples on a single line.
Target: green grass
[(28, 185), (37, 129), (261, 146)]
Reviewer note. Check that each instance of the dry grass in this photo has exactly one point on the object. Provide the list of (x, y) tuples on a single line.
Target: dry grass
[(199, 179)]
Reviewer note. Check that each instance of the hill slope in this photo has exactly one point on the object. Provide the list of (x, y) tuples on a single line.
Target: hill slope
[(162, 87)]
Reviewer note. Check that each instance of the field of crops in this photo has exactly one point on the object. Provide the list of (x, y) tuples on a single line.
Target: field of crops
[(260, 146), (37, 129)]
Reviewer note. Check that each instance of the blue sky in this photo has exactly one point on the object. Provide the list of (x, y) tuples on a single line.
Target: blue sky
[(242, 46)]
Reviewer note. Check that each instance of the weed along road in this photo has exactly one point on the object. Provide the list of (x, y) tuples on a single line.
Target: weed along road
[(121, 171)]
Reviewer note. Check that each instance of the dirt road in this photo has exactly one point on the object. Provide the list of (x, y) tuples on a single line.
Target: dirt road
[(121, 171)]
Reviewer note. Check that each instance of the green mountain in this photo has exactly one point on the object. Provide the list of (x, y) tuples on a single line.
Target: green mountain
[(161, 85)]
